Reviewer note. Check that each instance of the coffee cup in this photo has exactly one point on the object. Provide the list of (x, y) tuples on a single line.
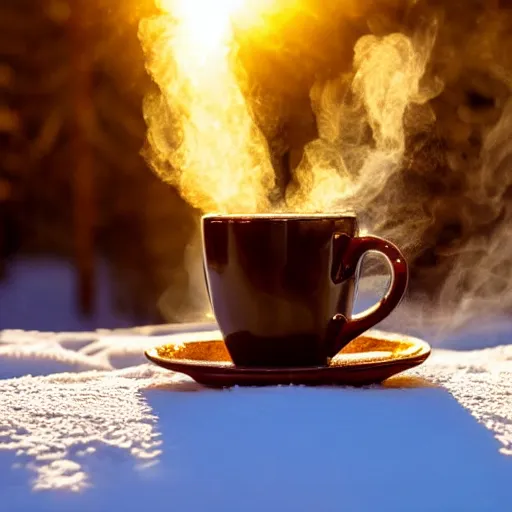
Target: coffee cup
[(282, 286)]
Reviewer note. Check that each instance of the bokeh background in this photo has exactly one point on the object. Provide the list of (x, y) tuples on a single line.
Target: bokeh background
[(91, 238)]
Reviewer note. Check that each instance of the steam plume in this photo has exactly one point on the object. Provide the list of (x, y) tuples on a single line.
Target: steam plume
[(360, 119), (202, 136), (414, 135)]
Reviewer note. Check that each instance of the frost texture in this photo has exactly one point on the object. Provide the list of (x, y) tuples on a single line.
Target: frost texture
[(54, 422), (481, 381), (86, 394)]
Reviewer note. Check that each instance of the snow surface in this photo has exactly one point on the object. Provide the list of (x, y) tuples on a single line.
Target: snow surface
[(41, 293), (86, 424)]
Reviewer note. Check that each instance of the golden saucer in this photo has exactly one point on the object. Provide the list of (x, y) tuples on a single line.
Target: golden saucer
[(368, 359)]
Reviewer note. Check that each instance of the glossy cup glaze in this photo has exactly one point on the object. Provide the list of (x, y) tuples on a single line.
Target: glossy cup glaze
[(282, 286)]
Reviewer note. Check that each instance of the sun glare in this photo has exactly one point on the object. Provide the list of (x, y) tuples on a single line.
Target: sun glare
[(206, 23), (221, 160)]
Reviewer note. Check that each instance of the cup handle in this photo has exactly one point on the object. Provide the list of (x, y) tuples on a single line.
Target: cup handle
[(353, 249)]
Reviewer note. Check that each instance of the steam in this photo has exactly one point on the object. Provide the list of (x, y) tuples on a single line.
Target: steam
[(360, 120), (203, 138), (193, 305), (480, 281), (201, 133), (414, 135)]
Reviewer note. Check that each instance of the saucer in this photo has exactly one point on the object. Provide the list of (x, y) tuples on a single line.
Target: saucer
[(368, 359)]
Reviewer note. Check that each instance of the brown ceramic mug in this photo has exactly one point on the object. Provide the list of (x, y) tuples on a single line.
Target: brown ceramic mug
[(282, 286)]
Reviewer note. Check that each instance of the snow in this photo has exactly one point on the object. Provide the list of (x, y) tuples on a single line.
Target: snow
[(41, 293), (86, 424)]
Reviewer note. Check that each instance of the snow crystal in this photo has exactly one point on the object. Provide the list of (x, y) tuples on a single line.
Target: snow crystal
[(90, 397), (53, 422), (481, 381)]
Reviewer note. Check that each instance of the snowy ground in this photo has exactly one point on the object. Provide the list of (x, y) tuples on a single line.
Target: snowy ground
[(86, 424), (96, 428)]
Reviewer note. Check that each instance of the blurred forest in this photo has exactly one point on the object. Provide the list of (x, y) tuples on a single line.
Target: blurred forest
[(73, 185)]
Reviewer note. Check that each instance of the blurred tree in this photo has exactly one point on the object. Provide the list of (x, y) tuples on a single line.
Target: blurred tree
[(72, 181)]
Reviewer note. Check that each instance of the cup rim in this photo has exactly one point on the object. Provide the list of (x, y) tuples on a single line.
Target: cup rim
[(349, 214)]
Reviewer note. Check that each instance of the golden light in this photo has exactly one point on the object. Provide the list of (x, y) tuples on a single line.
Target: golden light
[(220, 160), (205, 23), (201, 130)]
